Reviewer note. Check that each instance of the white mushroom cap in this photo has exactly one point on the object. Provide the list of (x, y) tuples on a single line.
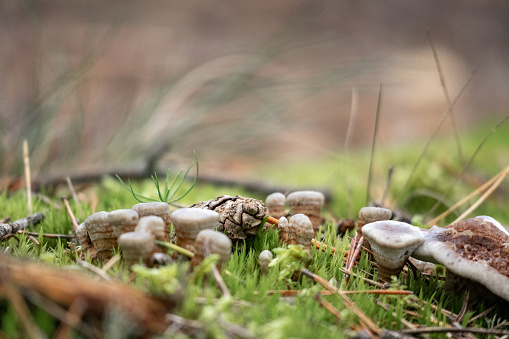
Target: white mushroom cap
[(283, 227), (301, 230), (309, 203), (123, 220), (392, 243), (305, 197), (219, 244), (152, 224), (275, 203), (371, 214), (189, 221), (136, 245), (264, 260), (151, 208), (474, 249)]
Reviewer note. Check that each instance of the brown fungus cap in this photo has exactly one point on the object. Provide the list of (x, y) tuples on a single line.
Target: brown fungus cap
[(309, 203), (157, 208), (392, 243), (152, 224), (474, 249), (102, 236), (219, 243)]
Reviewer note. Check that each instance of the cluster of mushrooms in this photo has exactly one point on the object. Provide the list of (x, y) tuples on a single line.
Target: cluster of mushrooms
[(136, 230), (476, 249)]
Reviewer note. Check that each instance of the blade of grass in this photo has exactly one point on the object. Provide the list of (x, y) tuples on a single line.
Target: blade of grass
[(370, 174)]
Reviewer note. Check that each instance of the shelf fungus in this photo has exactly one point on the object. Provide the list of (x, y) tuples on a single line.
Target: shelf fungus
[(218, 243), (159, 209), (188, 222), (123, 221), (154, 225), (239, 217), (101, 234), (392, 242), (137, 246), (474, 249), (309, 203)]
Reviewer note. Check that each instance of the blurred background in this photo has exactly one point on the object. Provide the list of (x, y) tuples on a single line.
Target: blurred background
[(99, 86)]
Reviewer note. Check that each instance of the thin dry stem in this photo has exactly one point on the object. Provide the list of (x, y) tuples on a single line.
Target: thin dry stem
[(215, 272), (26, 160), (328, 306), (347, 301), (73, 194), (480, 189), (71, 215)]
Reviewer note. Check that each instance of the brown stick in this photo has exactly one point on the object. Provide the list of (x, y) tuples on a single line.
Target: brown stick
[(28, 179), (328, 306), (71, 215), (456, 330), (348, 303)]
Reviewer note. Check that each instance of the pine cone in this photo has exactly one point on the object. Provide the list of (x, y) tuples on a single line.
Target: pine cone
[(239, 216)]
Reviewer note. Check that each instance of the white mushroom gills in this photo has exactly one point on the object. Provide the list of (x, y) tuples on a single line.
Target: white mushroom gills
[(154, 225), (159, 209), (264, 260), (371, 214), (101, 234), (136, 246), (188, 222), (84, 240), (309, 203), (275, 203), (218, 243), (123, 221), (392, 242)]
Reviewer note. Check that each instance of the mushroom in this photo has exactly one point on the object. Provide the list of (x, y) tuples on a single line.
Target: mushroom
[(101, 234), (309, 203), (154, 225), (475, 249), (136, 246), (219, 243), (123, 221), (275, 205), (159, 209), (392, 242), (298, 230), (264, 260), (371, 214), (84, 240), (188, 222)]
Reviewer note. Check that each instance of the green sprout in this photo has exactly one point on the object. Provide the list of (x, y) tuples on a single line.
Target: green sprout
[(169, 191)]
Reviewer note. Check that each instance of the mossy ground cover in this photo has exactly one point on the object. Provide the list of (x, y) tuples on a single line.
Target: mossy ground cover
[(252, 310)]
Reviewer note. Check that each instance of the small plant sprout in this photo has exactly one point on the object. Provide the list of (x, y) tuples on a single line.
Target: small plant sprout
[(291, 260), (101, 234), (188, 222), (276, 205), (136, 246), (154, 225), (158, 209), (123, 221), (392, 242), (371, 214), (169, 191), (264, 260), (84, 240), (218, 243), (309, 203)]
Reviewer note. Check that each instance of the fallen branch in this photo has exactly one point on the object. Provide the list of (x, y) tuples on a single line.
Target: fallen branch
[(455, 330), (20, 225)]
